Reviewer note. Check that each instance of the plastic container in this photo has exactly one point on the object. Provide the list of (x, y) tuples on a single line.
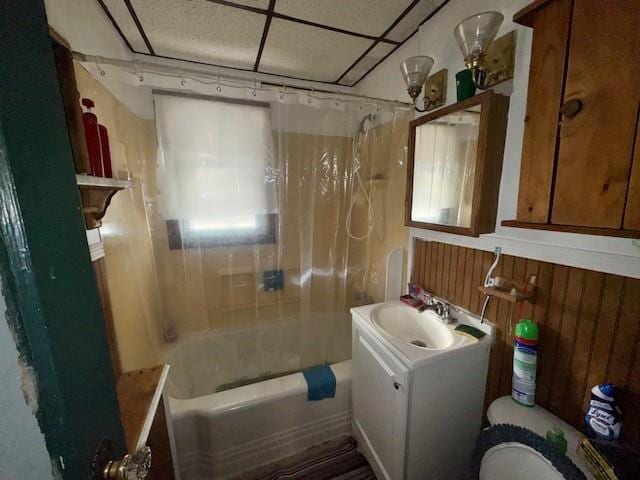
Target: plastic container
[(603, 418), (556, 436), (92, 136), (104, 150), (525, 359)]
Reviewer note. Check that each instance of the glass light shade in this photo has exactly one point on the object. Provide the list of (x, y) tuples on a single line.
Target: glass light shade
[(415, 70), (474, 34)]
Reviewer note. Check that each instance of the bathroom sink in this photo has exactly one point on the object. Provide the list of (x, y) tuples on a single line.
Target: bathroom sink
[(421, 329)]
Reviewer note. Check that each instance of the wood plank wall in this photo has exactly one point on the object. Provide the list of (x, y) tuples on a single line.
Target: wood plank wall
[(589, 326)]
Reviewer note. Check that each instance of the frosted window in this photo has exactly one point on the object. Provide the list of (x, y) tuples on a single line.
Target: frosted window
[(215, 174), (444, 169)]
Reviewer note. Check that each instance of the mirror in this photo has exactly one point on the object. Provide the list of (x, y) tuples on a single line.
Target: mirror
[(452, 154), (445, 163)]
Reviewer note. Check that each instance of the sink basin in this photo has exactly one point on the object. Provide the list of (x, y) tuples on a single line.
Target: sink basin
[(420, 329)]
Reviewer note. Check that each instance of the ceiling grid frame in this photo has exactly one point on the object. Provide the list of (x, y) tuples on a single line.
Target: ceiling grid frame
[(271, 13), (136, 20), (265, 32)]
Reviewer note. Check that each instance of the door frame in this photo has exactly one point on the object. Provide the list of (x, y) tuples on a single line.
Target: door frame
[(53, 306)]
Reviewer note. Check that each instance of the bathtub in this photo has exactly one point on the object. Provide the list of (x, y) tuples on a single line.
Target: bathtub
[(219, 435)]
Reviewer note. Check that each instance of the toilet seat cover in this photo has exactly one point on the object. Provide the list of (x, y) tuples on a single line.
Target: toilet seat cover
[(515, 460), (507, 451)]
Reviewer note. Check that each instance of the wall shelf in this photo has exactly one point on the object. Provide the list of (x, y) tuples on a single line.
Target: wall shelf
[(96, 193), (508, 296)]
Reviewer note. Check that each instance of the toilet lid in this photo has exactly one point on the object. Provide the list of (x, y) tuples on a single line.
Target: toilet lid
[(507, 451)]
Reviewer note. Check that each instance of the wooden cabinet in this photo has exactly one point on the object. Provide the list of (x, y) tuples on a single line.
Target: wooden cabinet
[(579, 167), (455, 163)]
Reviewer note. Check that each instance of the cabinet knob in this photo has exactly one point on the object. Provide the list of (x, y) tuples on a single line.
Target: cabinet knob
[(571, 108), (396, 385)]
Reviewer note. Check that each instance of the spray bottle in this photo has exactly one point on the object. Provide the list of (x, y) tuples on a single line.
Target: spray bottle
[(525, 358)]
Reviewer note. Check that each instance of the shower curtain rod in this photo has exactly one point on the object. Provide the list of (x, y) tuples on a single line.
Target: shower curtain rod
[(139, 66)]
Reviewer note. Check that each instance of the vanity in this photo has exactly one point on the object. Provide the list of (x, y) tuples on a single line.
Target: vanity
[(418, 390)]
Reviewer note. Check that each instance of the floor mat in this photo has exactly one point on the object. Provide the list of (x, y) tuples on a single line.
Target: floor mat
[(334, 460)]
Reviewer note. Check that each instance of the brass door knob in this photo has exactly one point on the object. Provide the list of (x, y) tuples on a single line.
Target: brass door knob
[(571, 108), (135, 466)]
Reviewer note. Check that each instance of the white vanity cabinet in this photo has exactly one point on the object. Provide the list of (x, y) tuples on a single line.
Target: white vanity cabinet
[(380, 396), (416, 411)]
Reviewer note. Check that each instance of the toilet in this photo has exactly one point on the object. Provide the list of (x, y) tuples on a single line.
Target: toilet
[(512, 448)]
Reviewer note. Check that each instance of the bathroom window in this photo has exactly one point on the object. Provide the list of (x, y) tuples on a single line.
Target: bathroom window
[(216, 179)]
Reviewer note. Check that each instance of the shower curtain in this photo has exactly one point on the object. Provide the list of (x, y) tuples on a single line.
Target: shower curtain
[(247, 206)]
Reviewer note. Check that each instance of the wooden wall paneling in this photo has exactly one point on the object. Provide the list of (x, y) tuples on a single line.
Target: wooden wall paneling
[(460, 276), (583, 343), (417, 263), (566, 343), (417, 245), (506, 348), (632, 208), (549, 337), (493, 378), (594, 157), (589, 327), (543, 293), (436, 279), (608, 314), (476, 280), (532, 267), (631, 428), (453, 271), (446, 269), (625, 350), (546, 79), (426, 260)]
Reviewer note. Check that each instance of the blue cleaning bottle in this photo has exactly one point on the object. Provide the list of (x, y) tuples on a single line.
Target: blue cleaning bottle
[(603, 418)]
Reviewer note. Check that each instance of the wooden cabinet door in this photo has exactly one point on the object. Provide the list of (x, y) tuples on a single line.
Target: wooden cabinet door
[(632, 210), (546, 78), (597, 134), (380, 405)]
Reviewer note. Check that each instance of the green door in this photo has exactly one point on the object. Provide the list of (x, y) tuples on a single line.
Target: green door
[(44, 259)]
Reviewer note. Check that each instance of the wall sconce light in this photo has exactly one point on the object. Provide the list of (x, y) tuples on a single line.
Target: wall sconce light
[(415, 71), (474, 35)]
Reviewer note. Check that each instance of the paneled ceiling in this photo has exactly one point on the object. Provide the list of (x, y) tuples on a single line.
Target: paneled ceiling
[(330, 41)]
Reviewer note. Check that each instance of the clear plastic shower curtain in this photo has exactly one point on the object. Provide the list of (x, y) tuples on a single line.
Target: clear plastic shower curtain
[(247, 207)]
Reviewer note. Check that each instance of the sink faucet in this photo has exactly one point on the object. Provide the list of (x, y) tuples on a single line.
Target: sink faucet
[(440, 308)]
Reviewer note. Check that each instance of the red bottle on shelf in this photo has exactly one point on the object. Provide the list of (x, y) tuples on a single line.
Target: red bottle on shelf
[(106, 153), (92, 136)]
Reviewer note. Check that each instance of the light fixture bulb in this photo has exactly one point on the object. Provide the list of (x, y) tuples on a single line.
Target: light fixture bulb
[(415, 71), (475, 33)]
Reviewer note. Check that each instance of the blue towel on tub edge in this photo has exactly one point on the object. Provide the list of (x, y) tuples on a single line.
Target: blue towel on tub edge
[(321, 382)]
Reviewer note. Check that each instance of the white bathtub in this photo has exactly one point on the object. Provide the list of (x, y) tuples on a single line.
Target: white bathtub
[(219, 435)]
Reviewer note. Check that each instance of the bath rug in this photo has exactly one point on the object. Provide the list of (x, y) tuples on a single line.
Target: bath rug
[(321, 382), (336, 459)]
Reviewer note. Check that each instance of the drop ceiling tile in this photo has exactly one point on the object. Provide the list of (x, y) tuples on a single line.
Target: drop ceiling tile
[(264, 4), (370, 17), (298, 50), (123, 18), (201, 31), (377, 53), (412, 20)]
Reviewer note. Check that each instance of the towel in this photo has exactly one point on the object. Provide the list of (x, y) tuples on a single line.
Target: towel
[(321, 382)]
